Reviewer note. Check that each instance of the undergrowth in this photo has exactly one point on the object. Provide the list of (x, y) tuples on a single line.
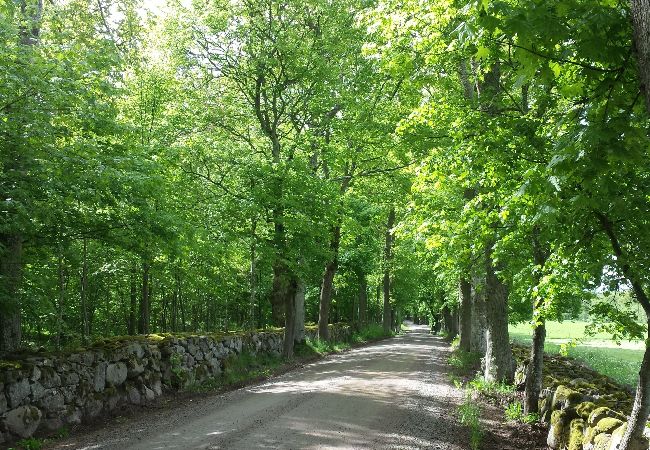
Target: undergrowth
[(515, 412), (469, 414)]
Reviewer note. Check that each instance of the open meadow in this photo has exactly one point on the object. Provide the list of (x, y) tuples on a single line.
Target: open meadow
[(600, 352)]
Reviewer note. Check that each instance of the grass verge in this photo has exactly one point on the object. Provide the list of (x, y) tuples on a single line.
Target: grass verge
[(599, 352)]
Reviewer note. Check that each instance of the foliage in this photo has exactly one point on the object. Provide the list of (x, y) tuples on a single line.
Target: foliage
[(515, 412), (463, 362), (469, 415)]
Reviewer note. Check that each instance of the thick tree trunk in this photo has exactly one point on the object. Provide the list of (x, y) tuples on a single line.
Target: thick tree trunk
[(290, 318), (299, 336), (534, 371), (451, 322), (280, 271), (143, 323), (465, 294), (499, 362), (11, 243), (327, 285), (388, 253), (363, 300), (478, 344), (641, 24), (11, 248)]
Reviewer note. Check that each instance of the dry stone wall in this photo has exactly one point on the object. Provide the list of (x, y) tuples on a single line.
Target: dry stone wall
[(46, 392), (584, 409)]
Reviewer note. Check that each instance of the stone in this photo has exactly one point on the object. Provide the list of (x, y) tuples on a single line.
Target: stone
[(578, 382), (602, 442), (99, 380), (93, 407), (37, 391), (602, 412), (70, 378), (3, 403), (134, 368), (136, 349), (133, 395), (36, 374), (116, 374), (52, 424), (156, 386), (73, 416), (23, 421), (17, 392), (49, 378), (192, 349), (558, 433), (576, 434), (149, 394), (585, 409), (52, 402), (565, 397)]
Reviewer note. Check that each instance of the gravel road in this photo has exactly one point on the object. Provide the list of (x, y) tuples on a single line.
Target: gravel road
[(391, 394)]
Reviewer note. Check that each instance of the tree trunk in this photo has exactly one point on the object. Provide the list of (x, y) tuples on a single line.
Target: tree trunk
[(499, 362), (290, 318), (388, 251), (278, 292), (11, 243), (143, 324), (633, 438), (84, 292), (478, 344), (641, 409), (534, 371), (465, 293), (61, 302), (252, 277), (299, 335), (327, 284), (134, 302), (10, 274), (641, 25), (363, 300)]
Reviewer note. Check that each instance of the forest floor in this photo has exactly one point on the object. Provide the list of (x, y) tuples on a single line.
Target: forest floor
[(395, 393)]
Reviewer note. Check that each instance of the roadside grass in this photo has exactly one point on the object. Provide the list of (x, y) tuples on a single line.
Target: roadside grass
[(599, 352), (469, 414)]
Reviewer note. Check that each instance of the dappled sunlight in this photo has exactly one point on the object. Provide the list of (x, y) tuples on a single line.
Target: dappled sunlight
[(390, 394)]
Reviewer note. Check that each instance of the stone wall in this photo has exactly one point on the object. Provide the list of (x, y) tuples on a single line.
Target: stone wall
[(45, 391), (584, 409)]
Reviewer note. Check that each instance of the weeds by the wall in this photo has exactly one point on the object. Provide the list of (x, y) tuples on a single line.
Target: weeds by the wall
[(469, 414)]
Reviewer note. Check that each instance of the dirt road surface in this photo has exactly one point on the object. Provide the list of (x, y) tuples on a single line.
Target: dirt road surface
[(391, 394)]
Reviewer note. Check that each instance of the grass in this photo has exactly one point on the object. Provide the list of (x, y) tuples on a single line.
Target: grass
[(515, 412), (599, 352), (469, 414)]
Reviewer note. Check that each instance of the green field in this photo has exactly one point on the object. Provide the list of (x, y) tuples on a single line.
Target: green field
[(599, 352)]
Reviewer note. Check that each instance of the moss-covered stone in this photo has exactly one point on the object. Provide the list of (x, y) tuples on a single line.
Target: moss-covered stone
[(576, 434), (602, 412), (584, 409), (565, 397), (606, 425), (558, 433), (602, 442)]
